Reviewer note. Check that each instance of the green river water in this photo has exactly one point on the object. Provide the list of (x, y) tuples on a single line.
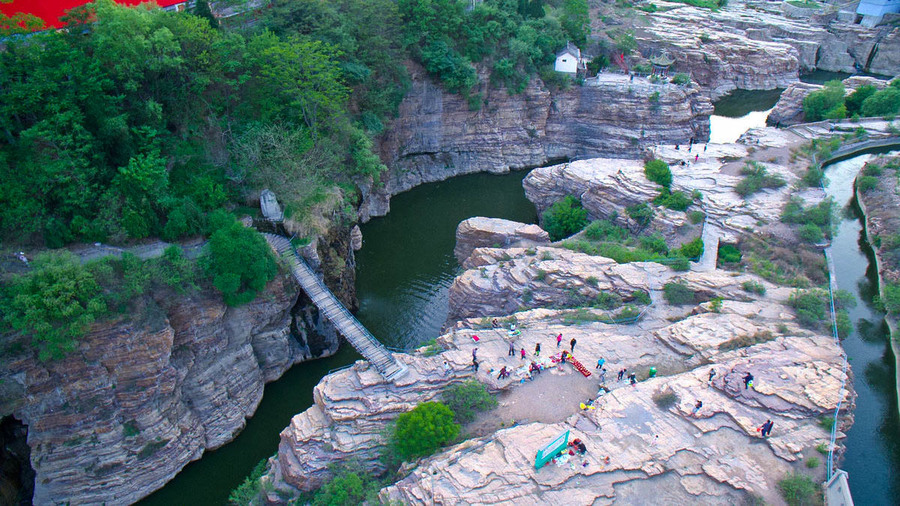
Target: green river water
[(404, 272)]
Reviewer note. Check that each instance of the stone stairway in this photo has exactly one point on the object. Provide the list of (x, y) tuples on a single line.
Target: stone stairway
[(349, 327)]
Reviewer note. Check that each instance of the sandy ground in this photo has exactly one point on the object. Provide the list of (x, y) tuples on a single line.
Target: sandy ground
[(553, 396)]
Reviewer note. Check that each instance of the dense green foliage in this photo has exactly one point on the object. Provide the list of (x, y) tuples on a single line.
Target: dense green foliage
[(830, 103), (240, 263), (678, 294), (248, 491), (466, 398), (676, 200), (137, 122), (756, 178), (692, 249), (729, 253), (799, 490), (564, 218), (514, 39), (423, 430), (658, 171), (825, 103), (55, 303), (810, 306), (605, 230), (642, 214), (348, 488), (816, 221)]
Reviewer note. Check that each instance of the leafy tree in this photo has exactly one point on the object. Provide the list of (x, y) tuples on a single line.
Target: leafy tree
[(882, 103), (693, 249), (575, 20), (658, 171), (626, 43), (854, 101), (465, 398), (348, 488), (201, 9), (642, 214), (819, 104), (55, 303), (240, 263), (423, 430), (564, 218), (248, 491), (810, 306)]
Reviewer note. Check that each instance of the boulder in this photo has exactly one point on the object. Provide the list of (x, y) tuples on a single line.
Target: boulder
[(495, 232)]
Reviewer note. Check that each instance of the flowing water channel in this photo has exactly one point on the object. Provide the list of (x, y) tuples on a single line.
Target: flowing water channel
[(404, 272)]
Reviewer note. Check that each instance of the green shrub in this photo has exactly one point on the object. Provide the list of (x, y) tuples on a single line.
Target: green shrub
[(130, 428), (665, 400), (466, 398), (604, 230), (641, 297), (812, 462), (347, 488), (655, 243), (564, 218), (746, 340), (607, 300), (680, 264), (813, 177), (756, 178), (693, 249), (799, 490), (175, 270), (810, 306), (827, 423), (681, 78), (729, 253), (423, 430), (754, 287), (866, 183), (676, 201), (248, 491), (820, 214), (882, 103), (642, 214), (240, 263), (822, 448), (855, 100), (843, 323), (818, 104), (891, 299), (678, 294), (696, 216), (811, 233), (55, 303), (658, 171)]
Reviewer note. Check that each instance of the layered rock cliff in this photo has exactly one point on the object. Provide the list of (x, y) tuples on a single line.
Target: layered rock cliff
[(754, 46), (708, 456), (148, 392), (436, 136)]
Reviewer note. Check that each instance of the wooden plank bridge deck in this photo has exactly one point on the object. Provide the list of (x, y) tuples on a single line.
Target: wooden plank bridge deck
[(349, 327)]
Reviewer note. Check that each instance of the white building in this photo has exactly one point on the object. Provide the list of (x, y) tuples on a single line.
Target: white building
[(569, 59)]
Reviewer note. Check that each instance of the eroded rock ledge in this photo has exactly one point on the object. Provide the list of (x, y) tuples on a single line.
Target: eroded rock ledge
[(147, 393), (715, 457)]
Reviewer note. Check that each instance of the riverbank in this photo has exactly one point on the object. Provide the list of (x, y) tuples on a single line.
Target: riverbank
[(879, 202)]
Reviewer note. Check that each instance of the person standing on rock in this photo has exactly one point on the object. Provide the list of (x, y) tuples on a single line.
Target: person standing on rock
[(475, 364), (602, 375), (503, 373), (537, 350), (572, 344), (767, 428), (621, 374), (446, 368), (558, 340), (474, 353), (697, 407), (633, 379), (696, 157), (512, 350), (523, 353), (600, 363), (712, 374), (748, 380)]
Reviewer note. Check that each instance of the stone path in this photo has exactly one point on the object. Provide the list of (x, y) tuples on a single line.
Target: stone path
[(711, 236)]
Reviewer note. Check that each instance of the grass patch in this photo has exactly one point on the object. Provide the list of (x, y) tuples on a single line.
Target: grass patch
[(783, 264), (799, 490), (678, 294), (467, 398), (754, 287), (827, 423), (757, 178), (812, 462), (130, 428)]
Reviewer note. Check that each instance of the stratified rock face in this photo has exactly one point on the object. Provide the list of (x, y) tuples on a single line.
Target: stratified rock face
[(503, 281), (789, 109), (481, 232), (436, 136), (145, 395), (656, 455), (713, 457), (607, 185), (756, 47)]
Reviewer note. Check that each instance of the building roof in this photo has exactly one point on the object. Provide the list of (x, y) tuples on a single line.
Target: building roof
[(51, 10), (570, 48)]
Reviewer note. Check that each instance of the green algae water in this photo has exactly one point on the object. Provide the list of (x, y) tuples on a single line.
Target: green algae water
[(872, 459), (404, 272)]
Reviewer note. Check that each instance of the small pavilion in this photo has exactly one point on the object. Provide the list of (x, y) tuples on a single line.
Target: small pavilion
[(660, 64)]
